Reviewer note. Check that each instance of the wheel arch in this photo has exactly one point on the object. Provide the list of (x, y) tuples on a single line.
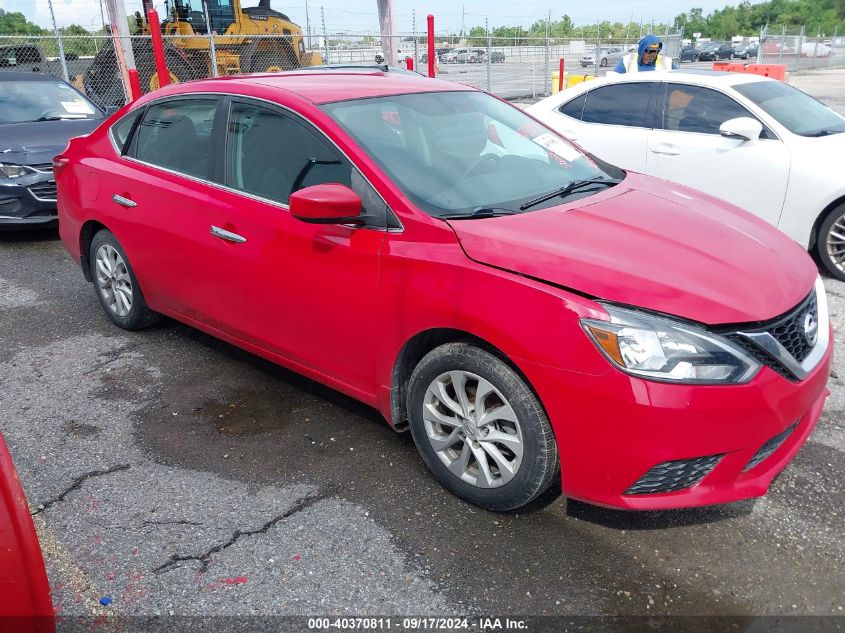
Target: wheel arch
[(814, 232), (86, 236), (416, 348)]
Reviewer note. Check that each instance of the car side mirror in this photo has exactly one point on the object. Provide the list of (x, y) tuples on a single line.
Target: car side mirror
[(109, 110), (330, 203), (743, 128)]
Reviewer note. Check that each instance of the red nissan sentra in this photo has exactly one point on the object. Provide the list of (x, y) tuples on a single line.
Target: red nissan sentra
[(528, 311)]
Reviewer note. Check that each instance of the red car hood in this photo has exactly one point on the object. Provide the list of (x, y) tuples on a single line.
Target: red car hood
[(652, 244)]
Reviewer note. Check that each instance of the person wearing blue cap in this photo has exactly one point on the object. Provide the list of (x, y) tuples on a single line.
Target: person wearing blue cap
[(646, 58)]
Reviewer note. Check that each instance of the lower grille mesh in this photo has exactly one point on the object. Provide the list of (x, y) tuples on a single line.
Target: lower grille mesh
[(770, 447), (675, 475)]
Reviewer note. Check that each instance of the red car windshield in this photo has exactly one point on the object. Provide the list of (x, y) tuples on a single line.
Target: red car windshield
[(455, 152)]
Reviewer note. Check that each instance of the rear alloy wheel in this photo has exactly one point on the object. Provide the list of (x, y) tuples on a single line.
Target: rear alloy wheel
[(480, 429), (117, 288), (830, 244)]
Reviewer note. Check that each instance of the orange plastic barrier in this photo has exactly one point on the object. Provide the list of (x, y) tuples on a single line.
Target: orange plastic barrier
[(724, 66), (775, 71)]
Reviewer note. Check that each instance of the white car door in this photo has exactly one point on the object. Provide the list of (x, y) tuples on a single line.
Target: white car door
[(690, 150), (613, 122)]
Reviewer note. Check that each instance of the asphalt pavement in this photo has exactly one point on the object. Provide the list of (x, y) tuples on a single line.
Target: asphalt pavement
[(172, 474)]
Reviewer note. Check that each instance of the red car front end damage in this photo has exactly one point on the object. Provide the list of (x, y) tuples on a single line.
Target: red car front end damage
[(361, 309)]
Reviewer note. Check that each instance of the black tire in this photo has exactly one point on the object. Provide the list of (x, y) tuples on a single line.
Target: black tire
[(278, 57), (139, 315), (821, 248), (603, 63), (539, 461)]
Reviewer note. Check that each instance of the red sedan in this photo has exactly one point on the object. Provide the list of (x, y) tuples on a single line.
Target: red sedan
[(528, 311)]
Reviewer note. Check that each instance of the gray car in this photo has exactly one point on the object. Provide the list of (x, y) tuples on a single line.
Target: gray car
[(609, 57), (38, 115)]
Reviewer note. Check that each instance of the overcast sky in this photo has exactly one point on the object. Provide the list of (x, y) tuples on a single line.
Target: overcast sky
[(362, 15)]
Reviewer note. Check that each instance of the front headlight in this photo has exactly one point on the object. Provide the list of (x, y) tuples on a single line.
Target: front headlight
[(659, 348), (10, 170)]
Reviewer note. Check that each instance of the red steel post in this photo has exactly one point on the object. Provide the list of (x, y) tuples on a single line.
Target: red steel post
[(431, 53), (134, 83), (560, 76), (158, 49)]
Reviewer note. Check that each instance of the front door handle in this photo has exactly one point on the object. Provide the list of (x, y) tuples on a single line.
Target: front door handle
[(124, 202), (665, 148), (223, 234)]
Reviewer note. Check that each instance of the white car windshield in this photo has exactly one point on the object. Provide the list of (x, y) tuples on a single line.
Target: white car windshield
[(50, 100), (456, 153), (796, 111)]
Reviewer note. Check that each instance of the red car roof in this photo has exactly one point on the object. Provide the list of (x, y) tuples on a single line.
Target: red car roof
[(338, 85)]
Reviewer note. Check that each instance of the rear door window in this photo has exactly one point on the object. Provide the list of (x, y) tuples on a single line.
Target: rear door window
[(621, 104), (176, 135), (574, 108)]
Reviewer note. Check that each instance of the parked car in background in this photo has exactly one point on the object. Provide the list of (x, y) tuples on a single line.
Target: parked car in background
[(38, 115), (347, 226), (467, 55), (753, 141), (689, 54), (497, 57), (714, 51), (609, 57), (746, 51), (438, 51)]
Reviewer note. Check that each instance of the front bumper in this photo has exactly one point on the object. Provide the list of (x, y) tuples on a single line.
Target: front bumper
[(28, 201), (613, 430)]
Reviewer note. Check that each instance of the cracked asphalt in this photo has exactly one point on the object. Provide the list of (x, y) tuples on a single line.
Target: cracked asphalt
[(175, 474)]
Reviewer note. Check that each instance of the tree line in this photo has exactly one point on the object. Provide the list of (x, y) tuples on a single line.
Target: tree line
[(825, 16)]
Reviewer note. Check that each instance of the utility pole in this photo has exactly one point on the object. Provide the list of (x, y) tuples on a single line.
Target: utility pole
[(389, 47), (307, 25), (119, 28), (325, 37), (58, 41)]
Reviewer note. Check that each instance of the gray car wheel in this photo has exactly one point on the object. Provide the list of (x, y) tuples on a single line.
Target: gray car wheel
[(480, 429), (830, 243), (117, 287)]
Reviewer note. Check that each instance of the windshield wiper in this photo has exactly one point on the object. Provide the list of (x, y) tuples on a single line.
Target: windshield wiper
[(59, 118), (825, 133), (480, 212), (570, 188)]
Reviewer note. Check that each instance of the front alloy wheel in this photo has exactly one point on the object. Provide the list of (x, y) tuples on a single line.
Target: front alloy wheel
[(480, 428), (830, 245), (113, 280), (472, 429)]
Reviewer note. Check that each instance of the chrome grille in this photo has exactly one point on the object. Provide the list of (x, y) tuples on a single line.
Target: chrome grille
[(790, 332), (792, 344), (46, 191), (48, 167)]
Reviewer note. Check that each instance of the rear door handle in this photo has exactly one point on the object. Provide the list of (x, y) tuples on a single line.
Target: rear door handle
[(665, 148), (124, 202), (223, 234)]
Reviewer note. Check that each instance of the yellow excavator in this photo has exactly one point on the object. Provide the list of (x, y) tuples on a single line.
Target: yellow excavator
[(252, 39)]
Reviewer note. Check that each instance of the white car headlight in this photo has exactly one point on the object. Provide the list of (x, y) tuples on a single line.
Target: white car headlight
[(10, 170), (659, 348)]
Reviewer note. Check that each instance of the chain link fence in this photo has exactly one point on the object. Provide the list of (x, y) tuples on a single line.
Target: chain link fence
[(513, 68), (799, 50)]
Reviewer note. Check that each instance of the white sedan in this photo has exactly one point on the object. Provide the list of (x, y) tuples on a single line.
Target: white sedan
[(747, 139)]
